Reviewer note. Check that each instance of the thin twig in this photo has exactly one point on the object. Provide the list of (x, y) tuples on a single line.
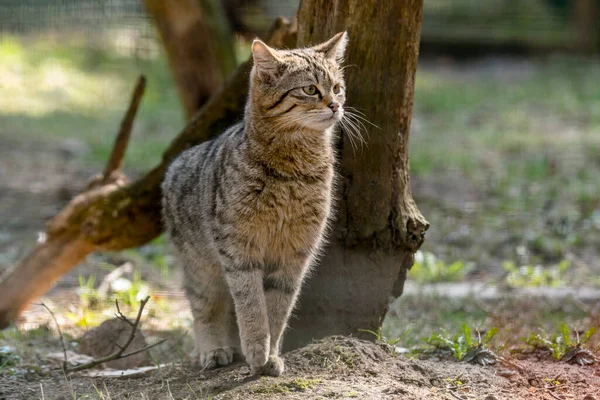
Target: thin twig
[(455, 395), (62, 341), (118, 152), (119, 353), (120, 315), (143, 348), (553, 395), (169, 389)]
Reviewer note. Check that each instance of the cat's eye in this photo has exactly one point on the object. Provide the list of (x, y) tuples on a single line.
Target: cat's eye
[(310, 90), (336, 89)]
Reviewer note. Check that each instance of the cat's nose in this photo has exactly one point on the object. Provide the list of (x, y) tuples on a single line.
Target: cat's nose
[(334, 106)]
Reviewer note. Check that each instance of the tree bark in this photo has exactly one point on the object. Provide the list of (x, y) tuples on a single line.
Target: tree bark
[(199, 46), (378, 226), (587, 13)]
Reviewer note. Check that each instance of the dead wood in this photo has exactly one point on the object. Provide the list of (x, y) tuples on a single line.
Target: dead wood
[(121, 352)]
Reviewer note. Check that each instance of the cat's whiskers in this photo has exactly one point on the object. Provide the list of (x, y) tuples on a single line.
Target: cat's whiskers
[(358, 126), (352, 129), (359, 114), (349, 130)]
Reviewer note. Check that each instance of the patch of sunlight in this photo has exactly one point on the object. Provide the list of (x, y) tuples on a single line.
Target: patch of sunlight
[(36, 89), (10, 50), (126, 41), (54, 76)]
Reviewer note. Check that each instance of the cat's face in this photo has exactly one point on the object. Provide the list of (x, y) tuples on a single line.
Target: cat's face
[(301, 88)]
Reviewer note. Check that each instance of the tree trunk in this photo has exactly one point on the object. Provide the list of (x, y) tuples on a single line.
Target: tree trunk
[(587, 13), (378, 225), (199, 46)]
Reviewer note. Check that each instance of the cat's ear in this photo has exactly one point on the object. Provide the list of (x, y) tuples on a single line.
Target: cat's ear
[(266, 59), (334, 48)]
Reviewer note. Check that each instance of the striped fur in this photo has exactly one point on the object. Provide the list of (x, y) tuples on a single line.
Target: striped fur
[(248, 211)]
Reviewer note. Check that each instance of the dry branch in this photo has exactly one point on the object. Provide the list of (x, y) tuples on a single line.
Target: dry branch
[(119, 353), (113, 166), (120, 315), (115, 217)]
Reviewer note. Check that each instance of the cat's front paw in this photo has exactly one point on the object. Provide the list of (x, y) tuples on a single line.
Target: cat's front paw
[(273, 367), (256, 356), (214, 358)]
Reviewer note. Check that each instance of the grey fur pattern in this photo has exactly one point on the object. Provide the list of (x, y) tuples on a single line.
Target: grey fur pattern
[(248, 211)]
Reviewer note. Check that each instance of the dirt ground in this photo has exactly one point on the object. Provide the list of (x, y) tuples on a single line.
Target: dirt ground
[(336, 368)]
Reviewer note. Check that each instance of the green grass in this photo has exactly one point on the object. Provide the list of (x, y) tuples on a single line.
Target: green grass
[(513, 148), (429, 269), (561, 342), (414, 319), (462, 345)]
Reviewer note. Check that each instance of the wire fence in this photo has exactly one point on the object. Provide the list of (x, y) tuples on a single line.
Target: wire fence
[(535, 22)]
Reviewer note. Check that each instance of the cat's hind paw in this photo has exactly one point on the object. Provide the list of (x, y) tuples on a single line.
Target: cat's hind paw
[(219, 357)]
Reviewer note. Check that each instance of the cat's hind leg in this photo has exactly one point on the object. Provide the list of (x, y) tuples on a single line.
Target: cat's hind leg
[(213, 312)]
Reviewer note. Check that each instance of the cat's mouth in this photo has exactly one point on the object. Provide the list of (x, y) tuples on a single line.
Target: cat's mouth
[(322, 120), (331, 117)]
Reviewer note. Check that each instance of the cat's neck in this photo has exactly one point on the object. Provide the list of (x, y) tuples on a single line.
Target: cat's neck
[(291, 150)]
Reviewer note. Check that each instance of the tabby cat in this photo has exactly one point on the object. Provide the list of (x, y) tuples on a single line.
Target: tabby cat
[(248, 211)]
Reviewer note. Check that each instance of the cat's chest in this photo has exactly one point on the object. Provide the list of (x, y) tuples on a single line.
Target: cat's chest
[(291, 206), (286, 216)]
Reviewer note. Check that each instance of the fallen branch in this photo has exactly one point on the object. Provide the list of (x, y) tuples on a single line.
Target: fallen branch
[(116, 217), (117, 355)]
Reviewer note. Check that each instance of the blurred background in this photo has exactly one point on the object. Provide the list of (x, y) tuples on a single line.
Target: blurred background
[(504, 153)]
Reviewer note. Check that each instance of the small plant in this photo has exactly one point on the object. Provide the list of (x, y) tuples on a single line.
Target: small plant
[(430, 269), (563, 345), (8, 358), (381, 339), (536, 276), (133, 292), (466, 346), (88, 295)]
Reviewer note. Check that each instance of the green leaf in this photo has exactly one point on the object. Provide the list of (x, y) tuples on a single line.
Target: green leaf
[(564, 265), (468, 334), (376, 334), (588, 334), (489, 335), (566, 334)]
